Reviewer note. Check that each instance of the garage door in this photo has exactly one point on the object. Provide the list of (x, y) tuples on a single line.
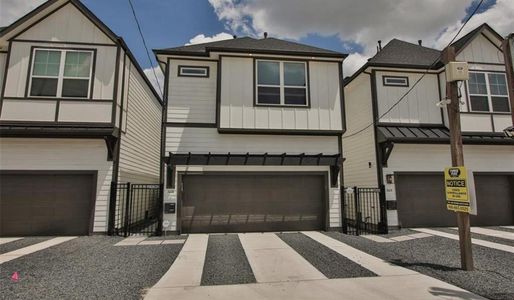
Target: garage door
[(421, 200), (252, 202), (46, 204)]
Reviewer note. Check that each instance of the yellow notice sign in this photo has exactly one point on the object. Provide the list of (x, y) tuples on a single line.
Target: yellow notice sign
[(456, 187)]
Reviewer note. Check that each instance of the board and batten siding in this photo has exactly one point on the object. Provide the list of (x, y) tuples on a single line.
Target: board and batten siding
[(359, 150), (63, 154), (334, 207), (418, 107), (141, 136), (237, 109), (481, 50), (192, 99), (66, 24), (14, 109), (413, 158), (204, 140)]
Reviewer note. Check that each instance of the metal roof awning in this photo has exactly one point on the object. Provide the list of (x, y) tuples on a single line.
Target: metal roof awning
[(265, 159), (436, 135)]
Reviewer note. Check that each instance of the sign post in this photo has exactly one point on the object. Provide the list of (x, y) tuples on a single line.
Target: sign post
[(457, 154)]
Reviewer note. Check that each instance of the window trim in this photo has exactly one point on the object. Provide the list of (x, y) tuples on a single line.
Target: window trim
[(282, 86), (60, 77), (385, 83), (488, 95), (181, 67)]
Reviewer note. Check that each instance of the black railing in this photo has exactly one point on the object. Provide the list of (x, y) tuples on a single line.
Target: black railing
[(135, 209), (364, 211)]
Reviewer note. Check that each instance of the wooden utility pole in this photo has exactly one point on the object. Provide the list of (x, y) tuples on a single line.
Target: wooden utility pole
[(453, 108)]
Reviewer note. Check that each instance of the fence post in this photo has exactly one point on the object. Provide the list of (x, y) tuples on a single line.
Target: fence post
[(384, 228), (128, 197), (159, 210), (112, 207), (358, 215), (344, 221)]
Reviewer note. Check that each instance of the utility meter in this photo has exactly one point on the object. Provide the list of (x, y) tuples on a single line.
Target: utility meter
[(457, 70)]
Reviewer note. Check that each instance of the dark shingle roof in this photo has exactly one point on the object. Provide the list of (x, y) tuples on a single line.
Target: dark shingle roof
[(402, 53), (436, 134), (248, 44)]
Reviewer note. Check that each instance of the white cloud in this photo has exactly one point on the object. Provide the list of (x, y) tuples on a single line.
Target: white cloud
[(353, 62), (12, 10), (201, 38), (158, 83), (361, 22)]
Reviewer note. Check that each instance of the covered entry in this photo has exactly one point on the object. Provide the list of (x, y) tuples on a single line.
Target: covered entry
[(421, 200), (243, 202), (46, 203)]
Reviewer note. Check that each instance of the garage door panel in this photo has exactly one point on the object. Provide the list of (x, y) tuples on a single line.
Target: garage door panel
[(421, 201), (46, 204), (242, 203)]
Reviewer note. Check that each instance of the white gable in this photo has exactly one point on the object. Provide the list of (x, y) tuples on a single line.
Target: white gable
[(481, 50), (67, 24)]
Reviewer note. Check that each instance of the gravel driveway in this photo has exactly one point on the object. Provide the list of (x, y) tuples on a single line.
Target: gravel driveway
[(439, 257), (85, 268)]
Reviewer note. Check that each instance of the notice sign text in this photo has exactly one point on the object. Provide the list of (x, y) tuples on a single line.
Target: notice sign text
[(456, 188)]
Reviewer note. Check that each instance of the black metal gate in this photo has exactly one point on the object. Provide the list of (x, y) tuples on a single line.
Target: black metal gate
[(135, 209), (364, 211)]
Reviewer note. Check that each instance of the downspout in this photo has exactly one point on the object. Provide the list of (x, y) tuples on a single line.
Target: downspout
[(163, 145)]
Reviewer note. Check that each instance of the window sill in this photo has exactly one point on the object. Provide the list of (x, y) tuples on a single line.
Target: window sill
[(282, 106)]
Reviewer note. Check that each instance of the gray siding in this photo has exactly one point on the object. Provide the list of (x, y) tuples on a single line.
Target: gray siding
[(140, 139), (359, 149)]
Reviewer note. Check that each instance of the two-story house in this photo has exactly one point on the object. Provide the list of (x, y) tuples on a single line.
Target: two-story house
[(403, 142), (252, 136), (76, 113)]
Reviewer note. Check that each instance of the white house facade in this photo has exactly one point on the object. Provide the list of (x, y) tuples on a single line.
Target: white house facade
[(252, 136), (76, 113), (407, 149)]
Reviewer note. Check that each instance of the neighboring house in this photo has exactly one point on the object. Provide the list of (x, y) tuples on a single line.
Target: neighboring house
[(252, 136), (408, 148), (77, 113)]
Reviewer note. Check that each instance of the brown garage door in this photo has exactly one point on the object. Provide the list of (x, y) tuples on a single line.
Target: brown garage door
[(46, 203), (252, 202), (421, 200)]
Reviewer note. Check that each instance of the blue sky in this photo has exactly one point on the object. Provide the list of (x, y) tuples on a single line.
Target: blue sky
[(348, 26), (174, 22)]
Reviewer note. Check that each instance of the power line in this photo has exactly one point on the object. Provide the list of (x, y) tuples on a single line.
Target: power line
[(146, 47), (419, 79)]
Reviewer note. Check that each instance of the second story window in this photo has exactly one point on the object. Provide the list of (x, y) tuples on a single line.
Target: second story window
[(193, 71), (61, 73), (281, 83), (488, 92)]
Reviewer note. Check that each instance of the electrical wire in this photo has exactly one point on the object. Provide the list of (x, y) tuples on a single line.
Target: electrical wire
[(419, 79), (146, 47)]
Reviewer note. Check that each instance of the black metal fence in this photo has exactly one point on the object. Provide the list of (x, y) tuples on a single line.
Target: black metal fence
[(364, 211), (135, 209)]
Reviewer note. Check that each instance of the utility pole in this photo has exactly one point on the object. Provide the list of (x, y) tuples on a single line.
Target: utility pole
[(453, 108)]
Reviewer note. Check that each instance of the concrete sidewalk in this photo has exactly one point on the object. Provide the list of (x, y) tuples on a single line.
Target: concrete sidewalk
[(385, 287)]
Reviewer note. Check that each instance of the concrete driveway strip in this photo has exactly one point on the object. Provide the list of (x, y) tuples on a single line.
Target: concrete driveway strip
[(33, 248), (8, 240), (188, 266), (479, 242), (491, 232), (272, 260), (372, 263), (419, 287)]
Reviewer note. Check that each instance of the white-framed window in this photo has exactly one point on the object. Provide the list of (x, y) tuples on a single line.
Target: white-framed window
[(193, 71), (281, 83), (488, 92), (61, 73), (395, 81)]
